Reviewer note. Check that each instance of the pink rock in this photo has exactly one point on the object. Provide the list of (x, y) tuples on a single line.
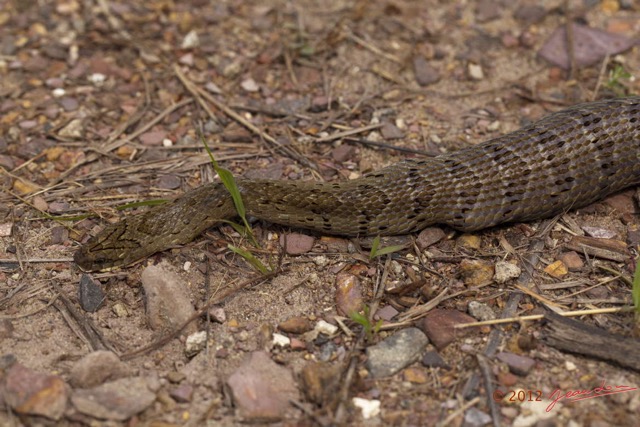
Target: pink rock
[(153, 137), (33, 393), (262, 389), (296, 243)]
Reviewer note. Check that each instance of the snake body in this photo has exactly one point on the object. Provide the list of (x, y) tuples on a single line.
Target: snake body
[(568, 159)]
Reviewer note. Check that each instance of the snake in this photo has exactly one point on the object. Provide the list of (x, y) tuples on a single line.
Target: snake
[(566, 160)]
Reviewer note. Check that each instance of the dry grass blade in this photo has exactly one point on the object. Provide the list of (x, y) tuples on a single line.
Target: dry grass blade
[(200, 95), (635, 292)]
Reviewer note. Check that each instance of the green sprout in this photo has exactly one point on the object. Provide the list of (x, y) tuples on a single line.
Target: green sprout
[(376, 251), (616, 74), (363, 320), (229, 182)]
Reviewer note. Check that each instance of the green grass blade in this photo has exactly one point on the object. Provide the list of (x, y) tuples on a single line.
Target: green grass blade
[(374, 247), (230, 184), (376, 251), (251, 259), (390, 249)]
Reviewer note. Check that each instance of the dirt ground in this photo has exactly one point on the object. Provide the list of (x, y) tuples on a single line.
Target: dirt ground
[(98, 109)]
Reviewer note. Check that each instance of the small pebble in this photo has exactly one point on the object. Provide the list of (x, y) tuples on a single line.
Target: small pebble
[(195, 343), (96, 368), (469, 241), (153, 137), (368, 408), (348, 294), (191, 40), (505, 271), (424, 72), (429, 236), (519, 365), (6, 229), (280, 340), (97, 79), (90, 294), (325, 328), (261, 389), (343, 152), (432, 359), (572, 260), (439, 324), (415, 375), (475, 72), (391, 131), (481, 311), (386, 313), (295, 325), (117, 400), (297, 243), (556, 269), (475, 272), (69, 104), (250, 85), (182, 394)]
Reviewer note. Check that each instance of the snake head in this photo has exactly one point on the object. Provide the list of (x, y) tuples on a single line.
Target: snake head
[(89, 257), (108, 249)]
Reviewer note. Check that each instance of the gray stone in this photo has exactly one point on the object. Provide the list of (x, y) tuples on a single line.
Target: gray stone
[(474, 417), (396, 352), (481, 311), (90, 294)]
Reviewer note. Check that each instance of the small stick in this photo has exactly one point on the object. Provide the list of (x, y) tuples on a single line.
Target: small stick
[(350, 132), (357, 40), (603, 70), (116, 144), (570, 39), (520, 319), (237, 117)]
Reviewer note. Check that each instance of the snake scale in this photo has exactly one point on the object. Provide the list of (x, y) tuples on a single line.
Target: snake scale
[(568, 159)]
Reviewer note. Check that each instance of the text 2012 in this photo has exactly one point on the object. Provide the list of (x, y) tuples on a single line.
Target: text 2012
[(517, 396)]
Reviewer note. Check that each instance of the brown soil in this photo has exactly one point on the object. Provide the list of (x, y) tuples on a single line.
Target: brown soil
[(81, 91)]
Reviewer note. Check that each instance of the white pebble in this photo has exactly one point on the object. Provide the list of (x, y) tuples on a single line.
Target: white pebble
[(475, 72), (191, 40), (59, 92), (325, 327), (281, 341), (369, 408), (97, 79), (195, 343)]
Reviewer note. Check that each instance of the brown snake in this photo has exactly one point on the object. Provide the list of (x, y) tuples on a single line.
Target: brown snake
[(568, 159)]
